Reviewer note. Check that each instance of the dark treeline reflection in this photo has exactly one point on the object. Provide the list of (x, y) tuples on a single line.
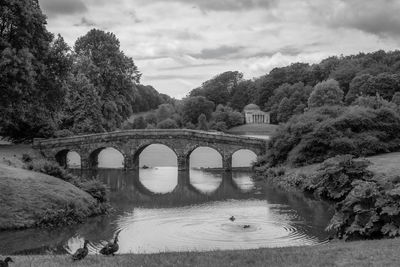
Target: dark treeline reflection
[(194, 206)]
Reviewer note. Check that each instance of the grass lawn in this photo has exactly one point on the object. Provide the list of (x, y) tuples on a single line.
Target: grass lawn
[(255, 129), (363, 253)]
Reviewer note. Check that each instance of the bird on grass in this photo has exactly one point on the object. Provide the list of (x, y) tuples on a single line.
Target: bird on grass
[(232, 218), (81, 253), (111, 247), (4, 263)]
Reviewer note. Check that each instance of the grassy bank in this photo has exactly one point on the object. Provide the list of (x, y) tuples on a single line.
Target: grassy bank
[(31, 199), (365, 253), (28, 198)]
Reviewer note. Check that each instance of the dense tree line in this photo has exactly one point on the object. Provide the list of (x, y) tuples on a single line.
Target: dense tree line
[(49, 89), (285, 91)]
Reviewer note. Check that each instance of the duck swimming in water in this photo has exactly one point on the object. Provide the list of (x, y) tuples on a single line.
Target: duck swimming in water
[(111, 248), (4, 263), (81, 253), (232, 218), (246, 226)]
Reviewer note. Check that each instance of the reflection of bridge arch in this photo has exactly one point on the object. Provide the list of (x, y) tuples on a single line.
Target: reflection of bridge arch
[(131, 142)]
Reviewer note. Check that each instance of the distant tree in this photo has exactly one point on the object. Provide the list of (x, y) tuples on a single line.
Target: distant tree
[(374, 102), (344, 73), (190, 126), (167, 124), (358, 87), (193, 107), (396, 98), (284, 110), (151, 118), (326, 93), (139, 123), (165, 111), (219, 126), (203, 125), (219, 88), (242, 95)]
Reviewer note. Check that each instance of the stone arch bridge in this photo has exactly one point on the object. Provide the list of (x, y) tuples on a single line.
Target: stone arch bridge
[(132, 142)]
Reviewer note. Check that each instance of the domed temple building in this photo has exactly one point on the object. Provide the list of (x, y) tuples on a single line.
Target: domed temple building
[(254, 115)]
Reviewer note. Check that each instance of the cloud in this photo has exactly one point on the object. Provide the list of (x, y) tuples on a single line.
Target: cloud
[(219, 52), (376, 17), (63, 7), (223, 5), (85, 23)]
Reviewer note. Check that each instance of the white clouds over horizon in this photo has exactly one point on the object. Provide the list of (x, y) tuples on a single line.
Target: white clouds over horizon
[(178, 44)]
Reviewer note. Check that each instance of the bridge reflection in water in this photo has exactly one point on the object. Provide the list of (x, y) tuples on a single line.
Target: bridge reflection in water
[(130, 187)]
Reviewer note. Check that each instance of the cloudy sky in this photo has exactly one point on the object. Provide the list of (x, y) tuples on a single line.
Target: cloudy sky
[(178, 44)]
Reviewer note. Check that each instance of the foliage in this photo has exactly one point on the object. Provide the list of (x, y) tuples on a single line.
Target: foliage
[(228, 116), (193, 107), (219, 89), (203, 125), (33, 67), (374, 102), (325, 132), (326, 93), (333, 179), (165, 111), (296, 96), (167, 124)]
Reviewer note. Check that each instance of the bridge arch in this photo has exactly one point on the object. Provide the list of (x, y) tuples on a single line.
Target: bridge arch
[(94, 155), (143, 146), (190, 151), (248, 156), (62, 156)]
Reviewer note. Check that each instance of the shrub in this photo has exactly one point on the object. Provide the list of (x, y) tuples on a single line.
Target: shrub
[(333, 179), (167, 124), (26, 158)]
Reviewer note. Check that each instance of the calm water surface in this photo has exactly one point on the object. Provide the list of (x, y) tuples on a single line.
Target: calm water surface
[(160, 209)]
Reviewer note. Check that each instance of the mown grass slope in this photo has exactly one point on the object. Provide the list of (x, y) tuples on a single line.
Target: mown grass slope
[(27, 197)]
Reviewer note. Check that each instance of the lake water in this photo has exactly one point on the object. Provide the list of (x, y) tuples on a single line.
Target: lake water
[(161, 209)]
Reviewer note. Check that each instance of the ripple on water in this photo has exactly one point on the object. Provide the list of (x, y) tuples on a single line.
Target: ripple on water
[(205, 227)]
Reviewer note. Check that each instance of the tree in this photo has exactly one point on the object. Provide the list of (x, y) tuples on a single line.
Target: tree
[(219, 88), (193, 107), (358, 87), (164, 111), (203, 125), (167, 124), (83, 107), (151, 118), (284, 110), (139, 123), (326, 93), (112, 73), (29, 102)]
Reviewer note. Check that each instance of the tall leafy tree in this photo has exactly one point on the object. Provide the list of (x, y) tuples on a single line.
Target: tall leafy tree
[(112, 73), (32, 72), (193, 107)]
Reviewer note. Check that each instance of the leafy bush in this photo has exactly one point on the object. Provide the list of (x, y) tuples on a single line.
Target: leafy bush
[(47, 167), (325, 132), (26, 158), (95, 188), (367, 206), (333, 180)]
